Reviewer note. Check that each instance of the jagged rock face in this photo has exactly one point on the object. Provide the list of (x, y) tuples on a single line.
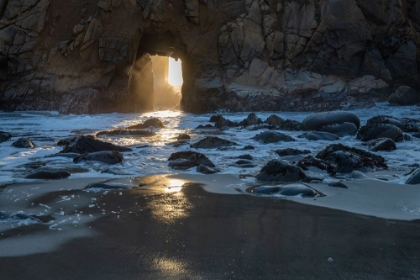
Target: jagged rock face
[(94, 56)]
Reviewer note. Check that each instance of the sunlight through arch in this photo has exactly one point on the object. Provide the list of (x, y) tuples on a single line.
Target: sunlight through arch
[(175, 72)]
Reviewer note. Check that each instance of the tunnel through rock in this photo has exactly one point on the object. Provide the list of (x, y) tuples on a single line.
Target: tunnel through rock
[(149, 81)]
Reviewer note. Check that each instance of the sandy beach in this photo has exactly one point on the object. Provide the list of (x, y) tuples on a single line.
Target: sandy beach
[(172, 227)]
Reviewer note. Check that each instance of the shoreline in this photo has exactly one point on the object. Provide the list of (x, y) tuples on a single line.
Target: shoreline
[(162, 231)]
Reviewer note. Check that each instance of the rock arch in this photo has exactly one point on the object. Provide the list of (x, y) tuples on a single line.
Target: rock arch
[(80, 56)]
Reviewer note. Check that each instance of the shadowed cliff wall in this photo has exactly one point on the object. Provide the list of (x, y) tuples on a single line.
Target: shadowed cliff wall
[(81, 56)]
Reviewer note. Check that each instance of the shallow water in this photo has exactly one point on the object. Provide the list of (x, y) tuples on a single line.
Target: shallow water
[(150, 154)]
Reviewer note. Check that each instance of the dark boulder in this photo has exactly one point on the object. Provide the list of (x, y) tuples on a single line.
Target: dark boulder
[(277, 170), (291, 152), (206, 169), (126, 132), (109, 157), (207, 126), (252, 119), (381, 144), (309, 161), (340, 147), (375, 131), (405, 124), (267, 137), (250, 147), (220, 122), (24, 143), (317, 122), (153, 122), (301, 190), (5, 136), (319, 135), (188, 159), (212, 142), (414, 179), (183, 136), (246, 157), (88, 144), (49, 175), (404, 96), (342, 129), (65, 141), (280, 123)]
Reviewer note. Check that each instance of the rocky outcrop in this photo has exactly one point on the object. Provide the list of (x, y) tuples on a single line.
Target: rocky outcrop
[(95, 56)]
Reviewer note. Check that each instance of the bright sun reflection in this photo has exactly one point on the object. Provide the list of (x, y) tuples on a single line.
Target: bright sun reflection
[(175, 72), (174, 185)]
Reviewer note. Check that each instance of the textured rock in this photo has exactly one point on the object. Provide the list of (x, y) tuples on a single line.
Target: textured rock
[(88, 144), (5, 136), (109, 157), (375, 131), (212, 142), (281, 171), (153, 122), (267, 137), (95, 56), (404, 95), (188, 159), (327, 120), (23, 143)]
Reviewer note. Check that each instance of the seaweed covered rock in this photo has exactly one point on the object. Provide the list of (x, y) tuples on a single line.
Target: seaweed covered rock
[(281, 171), (212, 142), (373, 131), (153, 122), (338, 122), (405, 124), (280, 123), (5, 136), (348, 159), (88, 144), (381, 144), (252, 119), (267, 137), (109, 157), (220, 122), (187, 159), (24, 143), (309, 161)]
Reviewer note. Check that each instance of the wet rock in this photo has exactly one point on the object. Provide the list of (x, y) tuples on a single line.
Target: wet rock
[(309, 161), (24, 143), (220, 122), (252, 119), (414, 179), (125, 132), (109, 157), (88, 144), (405, 124), (280, 123), (153, 122), (319, 135), (338, 185), (277, 170), (340, 147), (49, 175), (381, 144), (301, 190), (343, 129), (348, 159), (250, 147), (206, 169), (33, 165), (243, 162), (267, 137), (291, 152), (404, 96), (246, 157), (5, 136), (375, 131), (212, 142), (65, 141), (330, 121), (183, 137), (187, 159), (207, 126)]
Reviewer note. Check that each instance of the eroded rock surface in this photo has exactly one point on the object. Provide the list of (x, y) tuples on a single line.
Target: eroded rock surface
[(243, 55)]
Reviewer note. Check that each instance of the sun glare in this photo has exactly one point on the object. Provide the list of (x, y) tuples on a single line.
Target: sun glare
[(175, 72)]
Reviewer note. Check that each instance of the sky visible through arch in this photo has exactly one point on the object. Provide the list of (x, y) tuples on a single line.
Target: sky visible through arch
[(175, 72)]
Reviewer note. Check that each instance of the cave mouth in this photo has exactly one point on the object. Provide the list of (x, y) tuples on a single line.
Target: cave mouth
[(167, 82)]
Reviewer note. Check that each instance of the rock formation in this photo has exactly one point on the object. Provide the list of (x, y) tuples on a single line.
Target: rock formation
[(94, 56)]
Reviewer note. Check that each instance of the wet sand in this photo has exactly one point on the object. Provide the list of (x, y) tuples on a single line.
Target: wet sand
[(170, 232)]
